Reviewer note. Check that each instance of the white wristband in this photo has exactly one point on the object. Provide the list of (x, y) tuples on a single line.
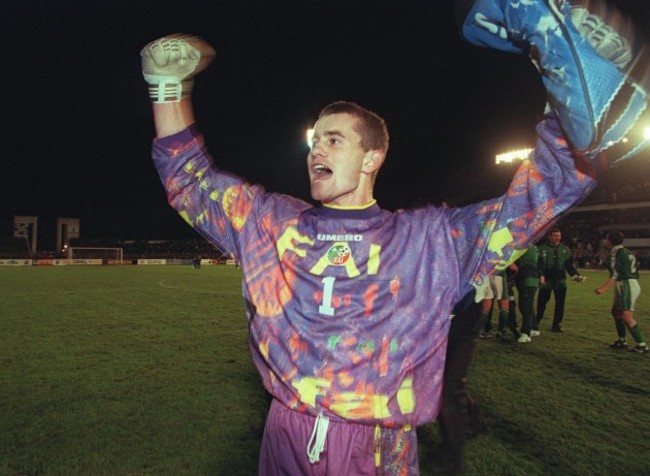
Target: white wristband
[(172, 91)]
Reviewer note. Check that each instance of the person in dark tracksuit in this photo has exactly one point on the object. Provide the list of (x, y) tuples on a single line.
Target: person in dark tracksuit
[(555, 261)]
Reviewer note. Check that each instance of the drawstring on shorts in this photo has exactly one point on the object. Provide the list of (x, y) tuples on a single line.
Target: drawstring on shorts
[(317, 439)]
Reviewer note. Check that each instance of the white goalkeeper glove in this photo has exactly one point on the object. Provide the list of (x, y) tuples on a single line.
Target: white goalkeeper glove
[(579, 278), (607, 42), (169, 64)]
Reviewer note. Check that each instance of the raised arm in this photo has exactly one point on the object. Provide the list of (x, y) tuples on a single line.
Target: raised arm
[(194, 185), (596, 101)]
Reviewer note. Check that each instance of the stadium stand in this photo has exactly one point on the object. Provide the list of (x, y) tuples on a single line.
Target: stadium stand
[(14, 248), (154, 249)]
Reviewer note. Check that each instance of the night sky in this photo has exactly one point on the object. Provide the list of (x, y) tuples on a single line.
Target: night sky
[(76, 121)]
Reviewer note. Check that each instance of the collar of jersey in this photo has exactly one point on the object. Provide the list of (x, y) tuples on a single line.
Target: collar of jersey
[(366, 211)]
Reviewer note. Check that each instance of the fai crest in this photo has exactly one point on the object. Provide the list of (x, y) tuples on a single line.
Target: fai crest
[(339, 254)]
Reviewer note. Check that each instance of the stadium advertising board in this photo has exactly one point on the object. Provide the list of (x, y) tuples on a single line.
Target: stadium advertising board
[(152, 261), (15, 262), (66, 262)]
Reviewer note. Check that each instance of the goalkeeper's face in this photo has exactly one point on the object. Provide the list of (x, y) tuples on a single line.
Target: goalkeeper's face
[(341, 173)]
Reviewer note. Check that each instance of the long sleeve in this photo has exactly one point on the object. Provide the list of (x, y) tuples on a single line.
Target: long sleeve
[(215, 203), (570, 267), (490, 234)]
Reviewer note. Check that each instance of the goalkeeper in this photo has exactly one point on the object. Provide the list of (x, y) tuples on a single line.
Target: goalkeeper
[(349, 305)]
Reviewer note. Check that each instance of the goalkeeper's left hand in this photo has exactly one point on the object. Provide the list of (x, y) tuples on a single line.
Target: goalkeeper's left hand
[(578, 278)]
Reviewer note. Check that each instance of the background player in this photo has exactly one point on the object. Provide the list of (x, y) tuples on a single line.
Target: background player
[(527, 279), (624, 273), (497, 290)]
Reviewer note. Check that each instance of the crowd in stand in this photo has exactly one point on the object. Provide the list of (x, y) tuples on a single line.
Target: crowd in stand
[(175, 249), (626, 191)]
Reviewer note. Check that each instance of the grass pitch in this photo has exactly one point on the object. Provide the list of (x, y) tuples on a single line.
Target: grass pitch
[(146, 371)]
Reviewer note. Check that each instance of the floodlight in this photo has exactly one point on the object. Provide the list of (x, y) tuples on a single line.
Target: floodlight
[(508, 157)]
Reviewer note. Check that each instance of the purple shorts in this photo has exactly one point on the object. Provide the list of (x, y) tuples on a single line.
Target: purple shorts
[(350, 448)]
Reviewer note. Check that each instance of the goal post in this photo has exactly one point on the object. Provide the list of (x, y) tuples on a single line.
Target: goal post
[(111, 254)]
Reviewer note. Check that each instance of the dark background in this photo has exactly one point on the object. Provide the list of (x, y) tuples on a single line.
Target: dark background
[(76, 122)]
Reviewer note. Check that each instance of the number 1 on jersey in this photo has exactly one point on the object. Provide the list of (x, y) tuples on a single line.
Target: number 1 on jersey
[(326, 305)]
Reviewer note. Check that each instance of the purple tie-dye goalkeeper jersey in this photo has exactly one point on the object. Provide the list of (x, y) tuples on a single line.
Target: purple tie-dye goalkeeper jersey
[(349, 310)]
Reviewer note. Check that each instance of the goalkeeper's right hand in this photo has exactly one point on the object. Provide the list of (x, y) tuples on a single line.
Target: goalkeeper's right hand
[(170, 63)]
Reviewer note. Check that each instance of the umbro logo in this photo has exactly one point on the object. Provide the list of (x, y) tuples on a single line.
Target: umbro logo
[(326, 237)]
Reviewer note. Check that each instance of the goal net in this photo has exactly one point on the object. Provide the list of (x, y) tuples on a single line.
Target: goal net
[(109, 254)]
